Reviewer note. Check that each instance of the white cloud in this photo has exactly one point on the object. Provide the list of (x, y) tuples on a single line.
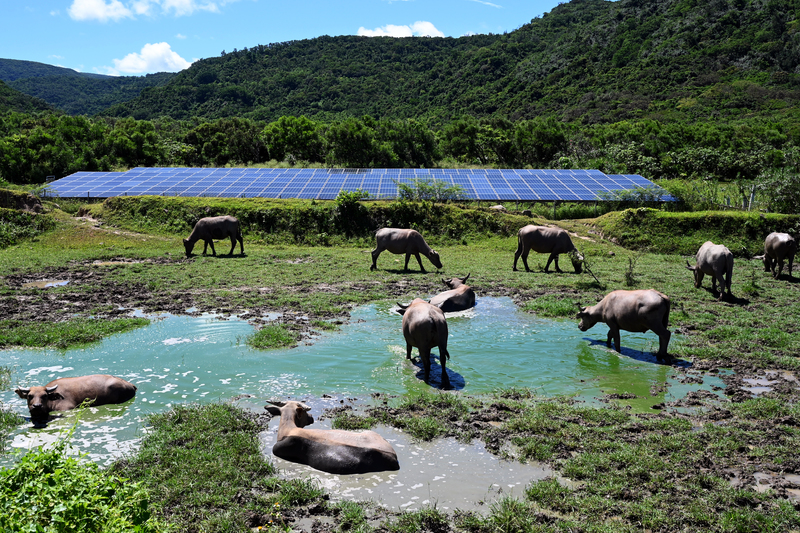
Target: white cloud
[(488, 4), (180, 36), (98, 10), (157, 57), (105, 10), (419, 28)]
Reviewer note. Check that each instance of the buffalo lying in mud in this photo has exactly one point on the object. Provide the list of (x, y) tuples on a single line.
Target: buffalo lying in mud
[(214, 228), (716, 261), (636, 311), (404, 241), (425, 327), (331, 450), (544, 240), (458, 298), (64, 394)]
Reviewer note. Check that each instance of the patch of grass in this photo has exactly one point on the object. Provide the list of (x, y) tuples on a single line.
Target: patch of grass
[(272, 336), (63, 335), (324, 325), (353, 422), (205, 472), (427, 519), (551, 306)]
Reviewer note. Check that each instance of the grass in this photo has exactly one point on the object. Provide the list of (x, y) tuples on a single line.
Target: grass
[(272, 336), (661, 471), (69, 334)]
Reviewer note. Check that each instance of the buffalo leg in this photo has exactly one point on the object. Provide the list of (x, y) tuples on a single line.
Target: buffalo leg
[(375, 253), (408, 351), (422, 268), (445, 378), (520, 252), (233, 244), (613, 334), (207, 244), (525, 261), (425, 357)]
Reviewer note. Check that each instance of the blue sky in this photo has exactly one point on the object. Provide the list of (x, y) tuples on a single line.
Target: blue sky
[(136, 37)]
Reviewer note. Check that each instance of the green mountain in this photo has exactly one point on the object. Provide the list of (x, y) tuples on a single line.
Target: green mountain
[(11, 100), (76, 93), (587, 60)]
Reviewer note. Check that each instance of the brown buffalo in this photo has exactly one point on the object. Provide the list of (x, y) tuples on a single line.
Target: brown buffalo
[(425, 327), (214, 228), (716, 261), (636, 311), (544, 240), (64, 394), (403, 241), (330, 450), (777, 247), (458, 298)]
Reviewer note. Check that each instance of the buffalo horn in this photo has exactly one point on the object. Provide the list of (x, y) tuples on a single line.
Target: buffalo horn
[(401, 306), (277, 404), (464, 280), (24, 391), (690, 267), (51, 389)]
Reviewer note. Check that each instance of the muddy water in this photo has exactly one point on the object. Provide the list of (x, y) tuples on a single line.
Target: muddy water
[(180, 359)]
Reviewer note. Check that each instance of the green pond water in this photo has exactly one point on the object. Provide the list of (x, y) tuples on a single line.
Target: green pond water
[(179, 359)]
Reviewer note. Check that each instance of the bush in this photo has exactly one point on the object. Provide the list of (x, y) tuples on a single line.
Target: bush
[(48, 491)]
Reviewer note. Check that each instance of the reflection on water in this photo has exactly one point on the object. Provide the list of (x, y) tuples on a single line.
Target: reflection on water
[(180, 359)]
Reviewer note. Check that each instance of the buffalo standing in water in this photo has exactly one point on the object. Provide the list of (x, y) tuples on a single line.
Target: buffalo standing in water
[(425, 327), (636, 311)]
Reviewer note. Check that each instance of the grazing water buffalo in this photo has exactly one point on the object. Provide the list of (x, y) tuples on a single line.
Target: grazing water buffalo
[(716, 261), (331, 450), (64, 394), (543, 240), (210, 228), (458, 298), (777, 247), (636, 311), (404, 241), (425, 327)]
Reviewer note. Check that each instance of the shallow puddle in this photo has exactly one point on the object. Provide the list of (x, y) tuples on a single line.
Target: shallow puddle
[(180, 359), (444, 473), (45, 284)]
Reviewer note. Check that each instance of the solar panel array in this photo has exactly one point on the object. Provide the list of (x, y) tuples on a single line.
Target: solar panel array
[(325, 184)]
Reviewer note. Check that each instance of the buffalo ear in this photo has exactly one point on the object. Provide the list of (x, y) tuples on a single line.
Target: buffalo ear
[(23, 393), (271, 409), (53, 396)]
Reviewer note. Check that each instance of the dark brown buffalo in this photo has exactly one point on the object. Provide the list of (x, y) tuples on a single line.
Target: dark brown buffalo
[(544, 240), (214, 228), (458, 298), (636, 311), (330, 450), (425, 327), (64, 394), (403, 241)]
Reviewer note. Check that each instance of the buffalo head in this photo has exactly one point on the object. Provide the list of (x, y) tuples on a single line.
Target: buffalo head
[(698, 275), (586, 320), (577, 260), (39, 399), (434, 258), (298, 411), (455, 282), (188, 246)]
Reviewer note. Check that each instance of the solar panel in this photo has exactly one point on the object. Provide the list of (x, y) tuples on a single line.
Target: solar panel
[(325, 184)]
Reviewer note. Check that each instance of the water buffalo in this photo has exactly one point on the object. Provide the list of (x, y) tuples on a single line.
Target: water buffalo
[(331, 450), (636, 311), (544, 240), (210, 228), (716, 261), (458, 298), (404, 241), (777, 247), (425, 327), (64, 394)]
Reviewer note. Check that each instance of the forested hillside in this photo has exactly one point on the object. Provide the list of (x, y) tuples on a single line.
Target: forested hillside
[(587, 60), (11, 100), (76, 93)]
